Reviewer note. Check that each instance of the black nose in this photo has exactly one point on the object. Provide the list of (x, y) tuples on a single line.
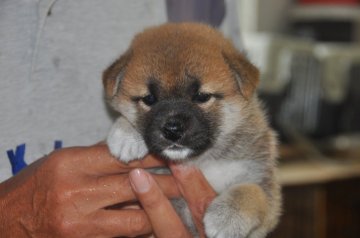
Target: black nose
[(173, 129)]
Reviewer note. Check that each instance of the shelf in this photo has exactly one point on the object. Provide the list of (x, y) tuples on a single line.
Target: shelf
[(317, 171), (325, 12)]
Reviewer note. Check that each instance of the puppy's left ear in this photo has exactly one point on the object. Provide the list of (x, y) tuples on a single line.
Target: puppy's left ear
[(245, 73), (115, 73)]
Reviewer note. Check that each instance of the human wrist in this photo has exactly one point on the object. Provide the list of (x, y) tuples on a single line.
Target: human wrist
[(2, 206), (14, 205), (7, 221)]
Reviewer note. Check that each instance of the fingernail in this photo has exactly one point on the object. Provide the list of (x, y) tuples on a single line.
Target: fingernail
[(139, 180)]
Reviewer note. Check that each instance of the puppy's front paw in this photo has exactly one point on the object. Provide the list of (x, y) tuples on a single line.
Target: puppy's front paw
[(237, 213), (125, 142)]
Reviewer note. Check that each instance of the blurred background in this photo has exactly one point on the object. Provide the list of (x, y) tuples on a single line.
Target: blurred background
[(308, 52)]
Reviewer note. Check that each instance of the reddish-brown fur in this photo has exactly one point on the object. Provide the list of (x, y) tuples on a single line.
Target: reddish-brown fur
[(193, 49), (172, 52)]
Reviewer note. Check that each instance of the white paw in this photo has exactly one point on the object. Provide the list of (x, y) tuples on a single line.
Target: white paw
[(125, 142), (222, 220)]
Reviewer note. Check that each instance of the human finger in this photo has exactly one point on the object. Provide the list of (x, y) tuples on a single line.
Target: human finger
[(97, 160), (149, 161), (163, 218), (167, 184), (125, 222), (102, 151), (196, 191), (113, 189)]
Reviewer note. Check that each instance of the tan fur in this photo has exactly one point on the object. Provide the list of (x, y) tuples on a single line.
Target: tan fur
[(251, 199), (149, 48), (244, 151)]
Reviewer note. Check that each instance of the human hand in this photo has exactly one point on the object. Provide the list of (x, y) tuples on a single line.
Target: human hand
[(196, 191), (165, 222), (66, 193)]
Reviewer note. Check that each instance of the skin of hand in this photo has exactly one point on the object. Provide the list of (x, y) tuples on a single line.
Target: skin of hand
[(194, 188), (196, 191), (65, 195)]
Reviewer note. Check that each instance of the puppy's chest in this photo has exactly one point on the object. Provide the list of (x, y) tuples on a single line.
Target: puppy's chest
[(224, 173)]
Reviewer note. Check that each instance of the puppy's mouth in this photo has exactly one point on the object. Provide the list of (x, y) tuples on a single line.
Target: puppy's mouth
[(177, 152)]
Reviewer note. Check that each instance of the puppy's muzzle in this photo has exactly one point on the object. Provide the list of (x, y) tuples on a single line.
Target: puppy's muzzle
[(176, 125), (174, 128)]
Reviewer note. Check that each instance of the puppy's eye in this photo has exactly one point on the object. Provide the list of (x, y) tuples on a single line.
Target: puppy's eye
[(201, 97), (149, 100)]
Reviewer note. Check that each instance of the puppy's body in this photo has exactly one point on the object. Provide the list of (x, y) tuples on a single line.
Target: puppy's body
[(187, 95)]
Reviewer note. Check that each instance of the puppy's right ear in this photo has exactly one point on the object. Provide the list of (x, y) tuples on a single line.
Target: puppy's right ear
[(114, 74)]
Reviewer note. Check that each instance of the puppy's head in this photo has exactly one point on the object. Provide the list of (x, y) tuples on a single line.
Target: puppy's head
[(180, 86)]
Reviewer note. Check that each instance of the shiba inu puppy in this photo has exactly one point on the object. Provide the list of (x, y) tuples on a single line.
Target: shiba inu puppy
[(186, 94)]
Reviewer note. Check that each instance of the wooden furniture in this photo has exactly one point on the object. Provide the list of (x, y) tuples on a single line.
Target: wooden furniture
[(321, 199)]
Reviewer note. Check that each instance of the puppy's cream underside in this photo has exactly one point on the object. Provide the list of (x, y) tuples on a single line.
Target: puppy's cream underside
[(185, 93)]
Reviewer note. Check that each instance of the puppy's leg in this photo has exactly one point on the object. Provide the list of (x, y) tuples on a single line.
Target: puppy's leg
[(242, 211), (125, 142)]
